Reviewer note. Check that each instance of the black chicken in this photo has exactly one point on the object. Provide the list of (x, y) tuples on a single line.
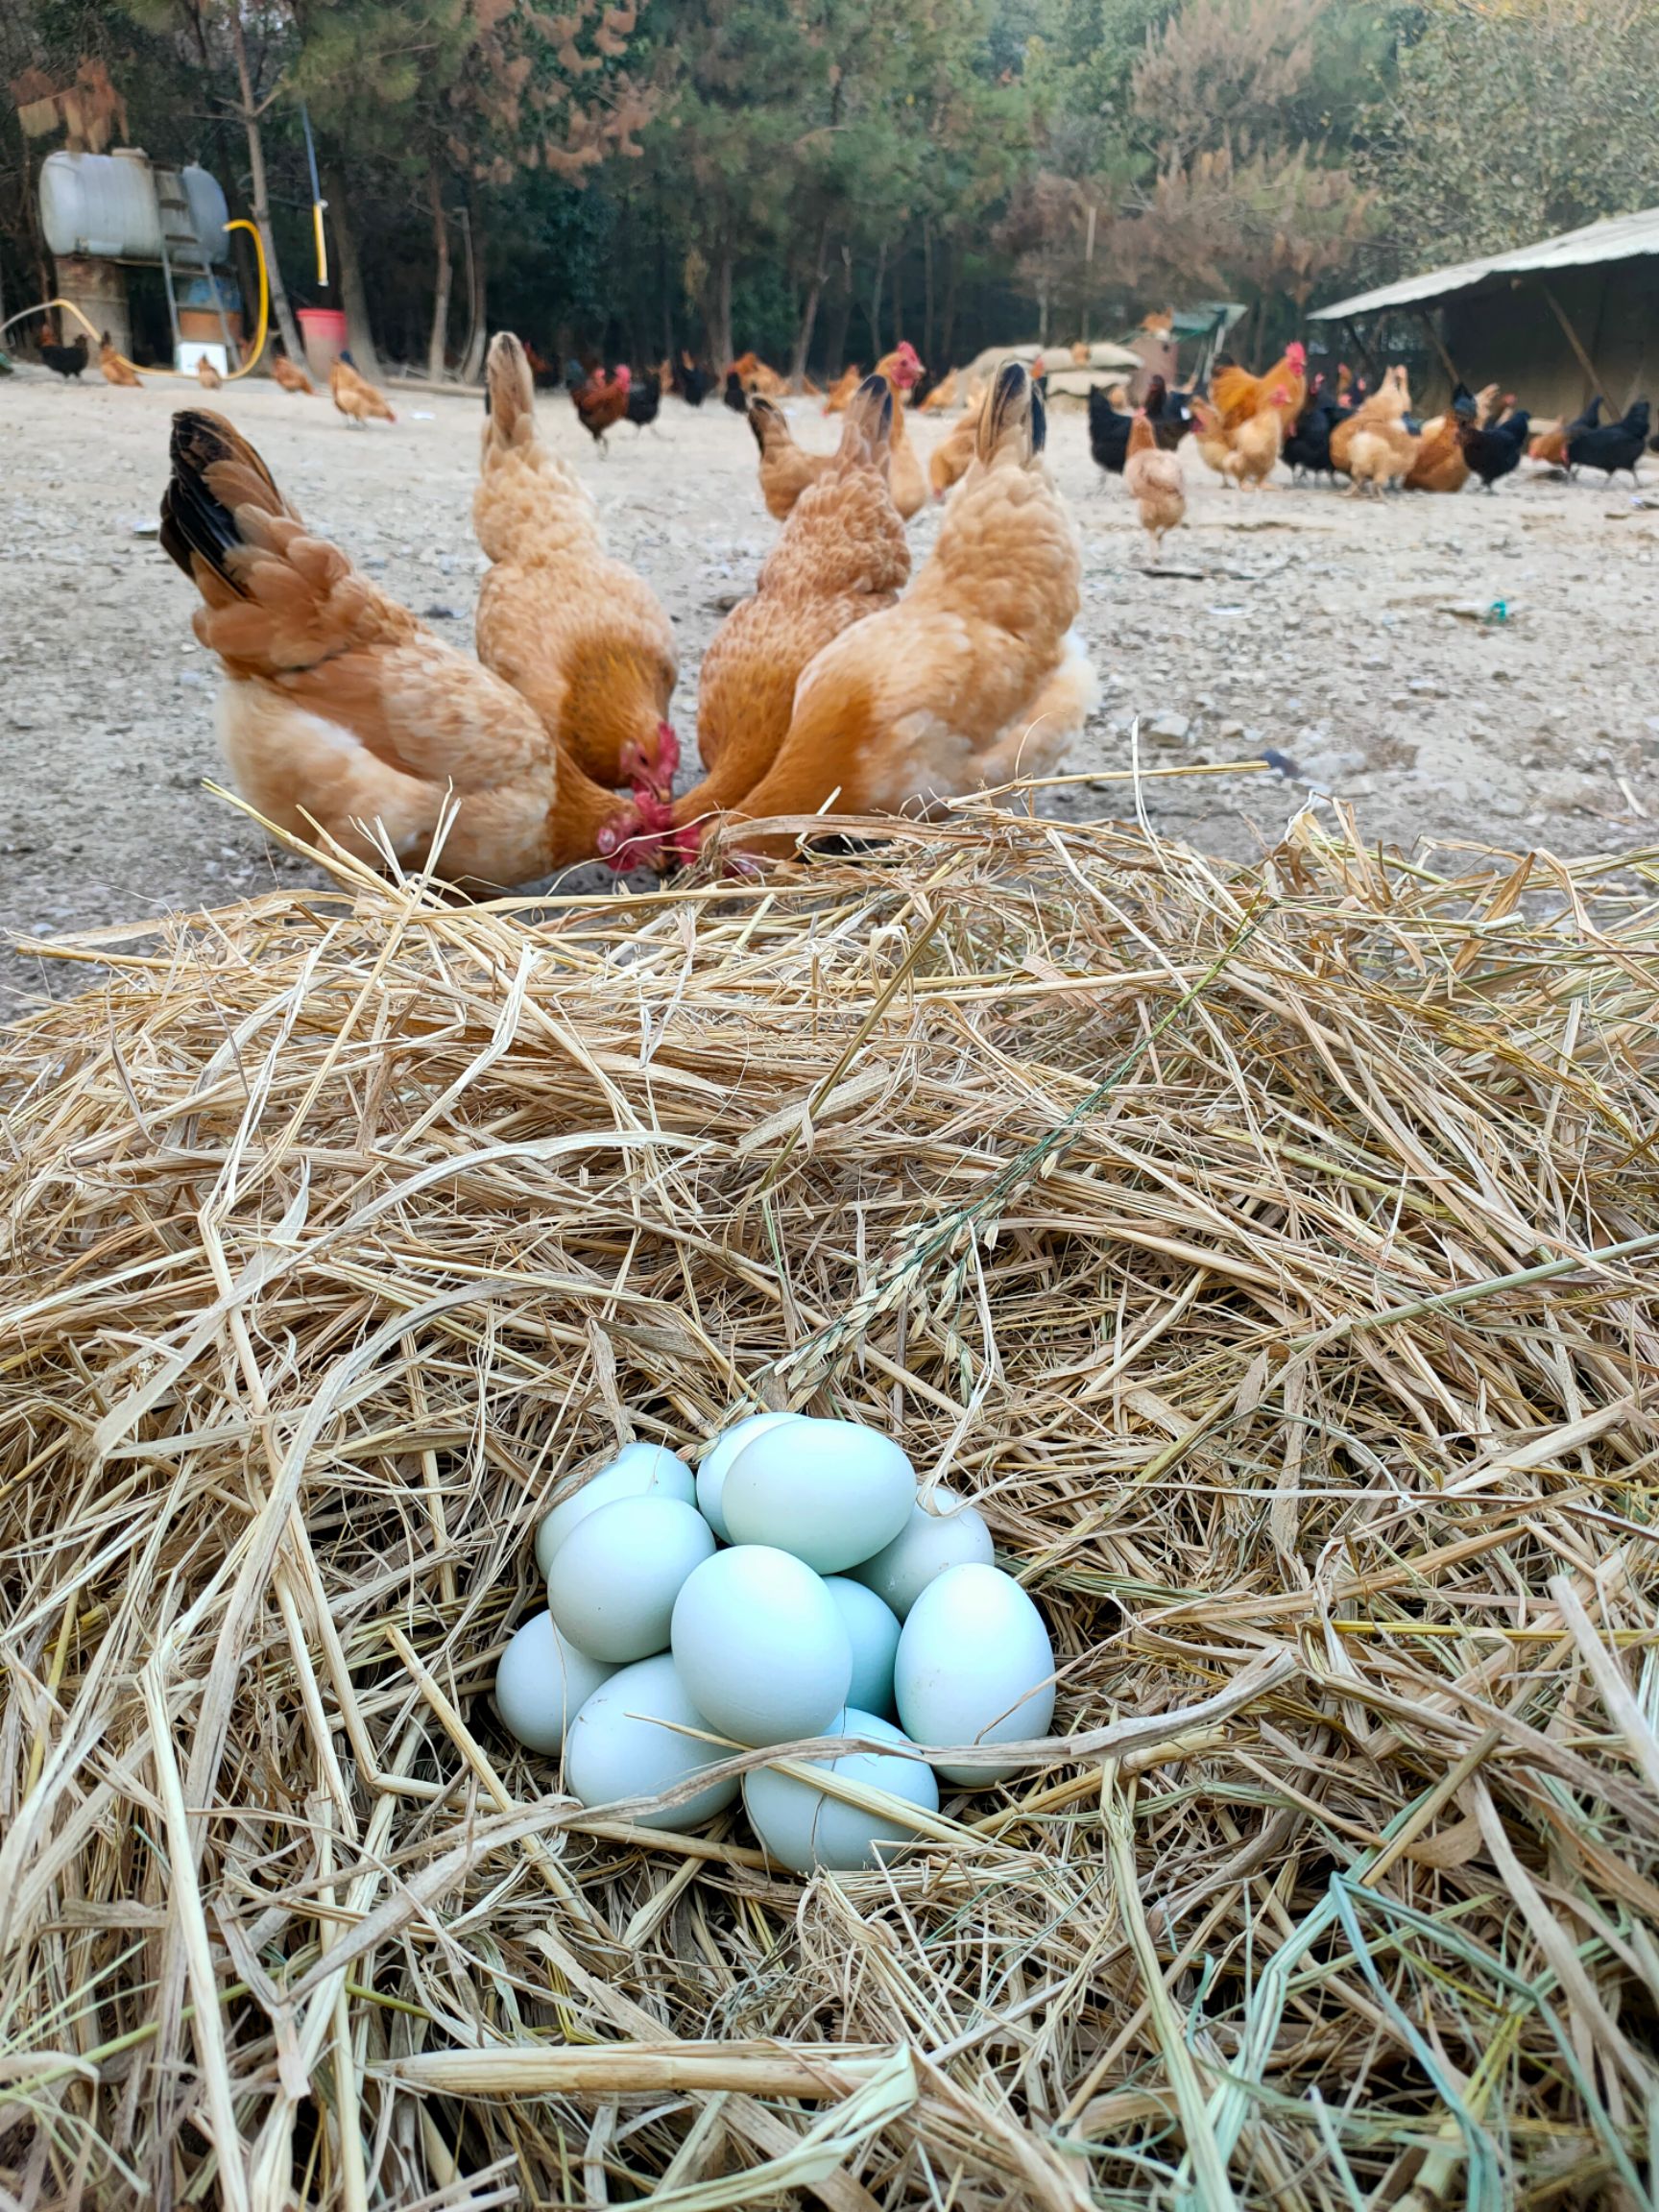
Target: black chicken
[(694, 384), (1614, 449), (65, 361), (1464, 404), (645, 399), (1308, 448), (1169, 413), (734, 395), (1495, 453), (1108, 431)]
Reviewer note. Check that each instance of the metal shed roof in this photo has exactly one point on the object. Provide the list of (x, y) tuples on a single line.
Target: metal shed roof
[(1619, 238)]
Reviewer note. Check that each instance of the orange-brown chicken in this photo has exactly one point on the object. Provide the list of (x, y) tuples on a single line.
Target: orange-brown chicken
[(902, 370), (785, 467), (841, 391), (341, 712), (1236, 396), (1255, 445), (290, 376), (842, 555), (1156, 482), (976, 675), (1210, 438), (602, 402), (1439, 464), (1373, 446), (942, 397), (953, 456), (207, 375), (752, 373), (577, 634), (355, 396), (115, 368)]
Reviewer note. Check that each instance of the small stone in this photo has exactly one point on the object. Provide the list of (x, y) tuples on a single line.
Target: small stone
[(1169, 728)]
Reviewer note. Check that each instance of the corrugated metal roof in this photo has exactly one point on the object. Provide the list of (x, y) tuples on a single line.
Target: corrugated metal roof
[(1620, 238)]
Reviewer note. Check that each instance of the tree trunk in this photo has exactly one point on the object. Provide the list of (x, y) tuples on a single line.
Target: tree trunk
[(928, 354), (1088, 226), (717, 311), (1043, 310), (809, 312), (359, 333), (437, 346), (874, 310), (478, 335), (897, 294), (948, 333), (287, 330), (840, 315)]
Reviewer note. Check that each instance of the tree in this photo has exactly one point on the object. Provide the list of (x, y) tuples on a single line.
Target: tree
[(1511, 123)]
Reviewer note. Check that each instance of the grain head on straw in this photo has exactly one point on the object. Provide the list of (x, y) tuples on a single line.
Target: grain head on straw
[(1270, 1254)]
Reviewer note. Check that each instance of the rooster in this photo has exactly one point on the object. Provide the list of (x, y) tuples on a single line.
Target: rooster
[(902, 370), (1236, 396), (1155, 483), (577, 634), (290, 376), (66, 361), (113, 366), (356, 398), (346, 718), (602, 402), (841, 556), (977, 675)]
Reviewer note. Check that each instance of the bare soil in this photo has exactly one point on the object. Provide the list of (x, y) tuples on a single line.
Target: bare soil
[(1462, 670)]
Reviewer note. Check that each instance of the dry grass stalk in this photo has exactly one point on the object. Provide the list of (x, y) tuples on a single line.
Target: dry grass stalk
[(1272, 1253)]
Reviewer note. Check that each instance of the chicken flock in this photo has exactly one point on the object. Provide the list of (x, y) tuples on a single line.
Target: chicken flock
[(344, 717), (841, 683)]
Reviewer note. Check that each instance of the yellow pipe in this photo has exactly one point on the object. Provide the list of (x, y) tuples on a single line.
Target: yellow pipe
[(322, 243), (240, 223)]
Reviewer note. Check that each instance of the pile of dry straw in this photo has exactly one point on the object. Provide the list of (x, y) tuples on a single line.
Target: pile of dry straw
[(1270, 1253)]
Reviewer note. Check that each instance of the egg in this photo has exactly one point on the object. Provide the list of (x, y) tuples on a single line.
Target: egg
[(947, 1533), (638, 1471), (615, 1576), (873, 1631), (712, 1467), (542, 1682), (802, 1827), (829, 1491), (974, 1666), (628, 1741), (760, 1645)]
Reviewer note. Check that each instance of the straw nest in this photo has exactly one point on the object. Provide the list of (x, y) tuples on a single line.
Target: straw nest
[(1269, 1252)]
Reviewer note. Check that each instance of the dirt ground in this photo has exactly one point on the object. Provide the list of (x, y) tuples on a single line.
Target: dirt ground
[(1351, 639)]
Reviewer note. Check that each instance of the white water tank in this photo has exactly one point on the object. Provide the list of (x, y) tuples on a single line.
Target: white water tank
[(105, 206)]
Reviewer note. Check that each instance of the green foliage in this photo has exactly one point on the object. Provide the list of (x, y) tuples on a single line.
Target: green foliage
[(633, 173), (1509, 124)]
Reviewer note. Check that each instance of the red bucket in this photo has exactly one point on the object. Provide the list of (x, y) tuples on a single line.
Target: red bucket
[(322, 334)]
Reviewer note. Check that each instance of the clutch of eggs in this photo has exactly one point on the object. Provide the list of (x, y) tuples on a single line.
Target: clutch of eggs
[(796, 1588)]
